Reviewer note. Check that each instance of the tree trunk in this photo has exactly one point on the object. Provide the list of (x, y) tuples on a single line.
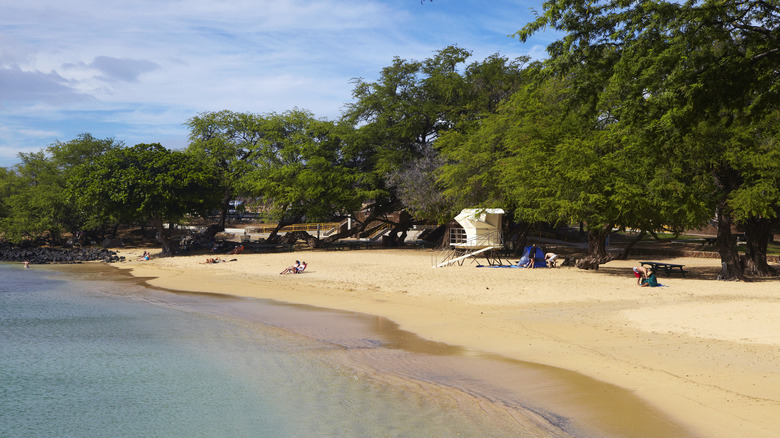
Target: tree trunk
[(634, 241), (394, 239), (597, 249), (516, 235), (757, 233), (224, 211), (292, 237), (162, 236), (731, 268), (283, 222)]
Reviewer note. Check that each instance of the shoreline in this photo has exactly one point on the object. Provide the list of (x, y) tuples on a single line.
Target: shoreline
[(702, 352)]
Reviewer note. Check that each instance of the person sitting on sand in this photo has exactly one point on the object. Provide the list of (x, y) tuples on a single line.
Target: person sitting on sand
[(551, 258), (237, 250), (651, 280), (293, 268), (301, 267), (145, 256), (640, 272)]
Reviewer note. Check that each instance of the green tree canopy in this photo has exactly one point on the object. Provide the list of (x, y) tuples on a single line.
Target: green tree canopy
[(147, 182), (544, 157), (301, 171), (37, 202), (682, 79), (398, 119), (230, 142)]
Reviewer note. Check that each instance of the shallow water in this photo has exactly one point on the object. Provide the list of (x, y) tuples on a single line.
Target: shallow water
[(97, 358), (88, 352)]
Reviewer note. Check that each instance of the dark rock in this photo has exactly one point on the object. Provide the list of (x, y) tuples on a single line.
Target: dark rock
[(42, 255)]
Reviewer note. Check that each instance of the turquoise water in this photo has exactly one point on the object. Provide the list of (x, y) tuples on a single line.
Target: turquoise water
[(98, 358), (86, 352)]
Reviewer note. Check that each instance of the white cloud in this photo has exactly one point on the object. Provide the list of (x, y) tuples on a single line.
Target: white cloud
[(142, 68)]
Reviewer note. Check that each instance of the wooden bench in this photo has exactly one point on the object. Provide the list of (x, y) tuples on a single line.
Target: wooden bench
[(268, 247), (349, 244), (669, 268)]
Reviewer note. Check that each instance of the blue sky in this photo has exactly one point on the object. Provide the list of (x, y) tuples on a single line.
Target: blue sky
[(138, 70)]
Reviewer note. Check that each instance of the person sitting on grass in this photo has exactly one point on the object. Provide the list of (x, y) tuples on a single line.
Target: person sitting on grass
[(293, 268)]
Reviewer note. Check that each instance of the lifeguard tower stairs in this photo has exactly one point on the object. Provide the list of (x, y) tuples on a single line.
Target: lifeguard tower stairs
[(479, 236)]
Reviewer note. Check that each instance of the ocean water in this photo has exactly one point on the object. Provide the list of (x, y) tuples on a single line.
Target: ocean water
[(84, 358), (88, 352)]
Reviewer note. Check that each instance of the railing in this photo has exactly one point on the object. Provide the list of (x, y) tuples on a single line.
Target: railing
[(267, 228), (379, 231), (458, 237)]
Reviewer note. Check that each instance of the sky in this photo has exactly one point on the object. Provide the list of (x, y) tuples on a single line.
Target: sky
[(138, 70)]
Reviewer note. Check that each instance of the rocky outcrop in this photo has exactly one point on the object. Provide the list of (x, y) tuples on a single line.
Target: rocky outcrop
[(42, 255)]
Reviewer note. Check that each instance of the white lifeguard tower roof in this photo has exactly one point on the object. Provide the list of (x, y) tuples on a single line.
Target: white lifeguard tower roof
[(482, 227)]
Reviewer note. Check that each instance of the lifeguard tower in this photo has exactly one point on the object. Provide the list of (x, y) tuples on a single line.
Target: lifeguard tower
[(479, 234)]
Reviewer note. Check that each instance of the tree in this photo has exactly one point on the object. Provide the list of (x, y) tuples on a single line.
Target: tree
[(147, 182), (755, 205), (398, 119), (417, 188), (547, 158), (301, 171), (34, 200), (38, 204), (669, 73), (230, 142), (6, 182)]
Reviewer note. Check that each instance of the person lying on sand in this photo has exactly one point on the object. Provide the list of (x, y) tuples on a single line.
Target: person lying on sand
[(211, 261)]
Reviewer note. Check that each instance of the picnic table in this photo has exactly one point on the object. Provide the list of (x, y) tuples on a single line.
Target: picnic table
[(669, 268)]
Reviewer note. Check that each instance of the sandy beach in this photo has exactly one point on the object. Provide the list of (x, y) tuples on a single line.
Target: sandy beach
[(704, 353)]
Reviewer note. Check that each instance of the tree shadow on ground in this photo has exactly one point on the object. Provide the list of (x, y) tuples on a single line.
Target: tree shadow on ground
[(693, 273)]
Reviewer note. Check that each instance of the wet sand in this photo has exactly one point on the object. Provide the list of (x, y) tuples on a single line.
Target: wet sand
[(696, 358)]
